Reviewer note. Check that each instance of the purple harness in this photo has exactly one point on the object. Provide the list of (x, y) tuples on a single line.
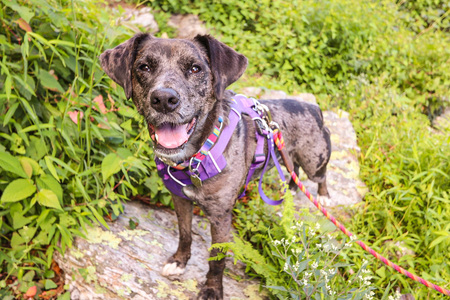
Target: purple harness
[(212, 161)]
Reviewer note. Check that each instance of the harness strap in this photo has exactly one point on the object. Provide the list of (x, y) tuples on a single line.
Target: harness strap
[(263, 133), (271, 153)]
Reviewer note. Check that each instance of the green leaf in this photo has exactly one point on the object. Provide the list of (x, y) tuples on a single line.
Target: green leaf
[(48, 198), (11, 164), (27, 233), (24, 12), (19, 220), (49, 82), (110, 165), (16, 240), (30, 164), (65, 296), (51, 167), (49, 183), (438, 240), (17, 190), (29, 276), (10, 113), (49, 284)]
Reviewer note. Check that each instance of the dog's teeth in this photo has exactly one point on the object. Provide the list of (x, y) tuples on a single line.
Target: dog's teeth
[(156, 138)]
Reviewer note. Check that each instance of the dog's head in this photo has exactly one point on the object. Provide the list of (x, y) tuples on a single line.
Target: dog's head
[(174, 84)]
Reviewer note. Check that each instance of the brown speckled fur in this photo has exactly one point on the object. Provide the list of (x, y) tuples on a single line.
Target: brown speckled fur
[(203, 95)]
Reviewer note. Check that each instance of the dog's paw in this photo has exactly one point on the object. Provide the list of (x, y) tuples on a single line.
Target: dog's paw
[(210, 293), (324, 200), (172, 269)]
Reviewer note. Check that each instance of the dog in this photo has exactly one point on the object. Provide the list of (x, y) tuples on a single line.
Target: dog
[(179, 87)]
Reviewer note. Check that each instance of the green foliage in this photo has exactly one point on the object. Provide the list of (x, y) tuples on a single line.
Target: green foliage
[(406, 167), (297, 260), (319, 45), (72, 149)]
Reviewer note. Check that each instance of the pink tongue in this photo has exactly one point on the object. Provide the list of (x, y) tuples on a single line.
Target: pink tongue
[(170, 136)]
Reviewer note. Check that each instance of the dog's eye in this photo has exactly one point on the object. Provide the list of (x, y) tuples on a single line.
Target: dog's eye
[(144, 68), (194, 69)]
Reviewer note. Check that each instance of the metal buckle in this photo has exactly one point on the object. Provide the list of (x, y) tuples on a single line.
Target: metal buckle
[(195, 176)]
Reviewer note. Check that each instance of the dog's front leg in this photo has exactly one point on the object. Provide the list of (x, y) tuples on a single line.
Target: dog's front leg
[(220, 231), (177, 263)]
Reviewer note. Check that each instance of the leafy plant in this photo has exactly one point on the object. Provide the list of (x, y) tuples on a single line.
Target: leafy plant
[(72, 149), (297, 259)]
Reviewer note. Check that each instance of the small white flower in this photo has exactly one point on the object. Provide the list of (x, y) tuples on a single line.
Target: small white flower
[(315, 265), (331, 271), (318, 245), (317, 226), (348, 245), (369, 296), (353, 238), (305, 282)]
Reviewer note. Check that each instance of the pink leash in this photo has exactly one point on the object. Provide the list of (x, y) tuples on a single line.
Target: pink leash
[(278, 138)]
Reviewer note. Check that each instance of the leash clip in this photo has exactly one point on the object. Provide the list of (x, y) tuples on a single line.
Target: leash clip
[(264, 113), (195, 174)]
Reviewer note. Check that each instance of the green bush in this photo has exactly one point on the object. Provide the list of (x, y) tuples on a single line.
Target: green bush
[(71, 147)]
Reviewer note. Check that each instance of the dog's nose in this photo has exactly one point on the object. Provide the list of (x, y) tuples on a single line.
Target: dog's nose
[(164, 100)]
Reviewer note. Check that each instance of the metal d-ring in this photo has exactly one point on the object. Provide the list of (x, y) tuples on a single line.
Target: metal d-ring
[(195, 174)]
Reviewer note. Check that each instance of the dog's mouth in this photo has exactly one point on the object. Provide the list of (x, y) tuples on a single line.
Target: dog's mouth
[(170, 135)]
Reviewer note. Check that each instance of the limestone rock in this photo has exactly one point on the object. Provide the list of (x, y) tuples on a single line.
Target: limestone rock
[(187, 26), (140, 17), (442, 122), (261, 93), (121, 263), (273, 94)]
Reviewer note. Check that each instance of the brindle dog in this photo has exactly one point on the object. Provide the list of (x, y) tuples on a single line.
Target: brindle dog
[(179, 87)]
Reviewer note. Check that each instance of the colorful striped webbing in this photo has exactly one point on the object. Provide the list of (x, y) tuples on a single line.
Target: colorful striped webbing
[(209, 143)]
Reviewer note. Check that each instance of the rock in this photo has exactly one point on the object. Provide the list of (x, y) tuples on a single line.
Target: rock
[(260, 93), (187, 26), (343, 181), (442, 122), (140, 17), (121, 263), (251, 91), (273, 94), (304, 97)]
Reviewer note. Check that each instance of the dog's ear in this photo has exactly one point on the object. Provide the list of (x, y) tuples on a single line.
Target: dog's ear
[(117, 62), (226, 64)]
